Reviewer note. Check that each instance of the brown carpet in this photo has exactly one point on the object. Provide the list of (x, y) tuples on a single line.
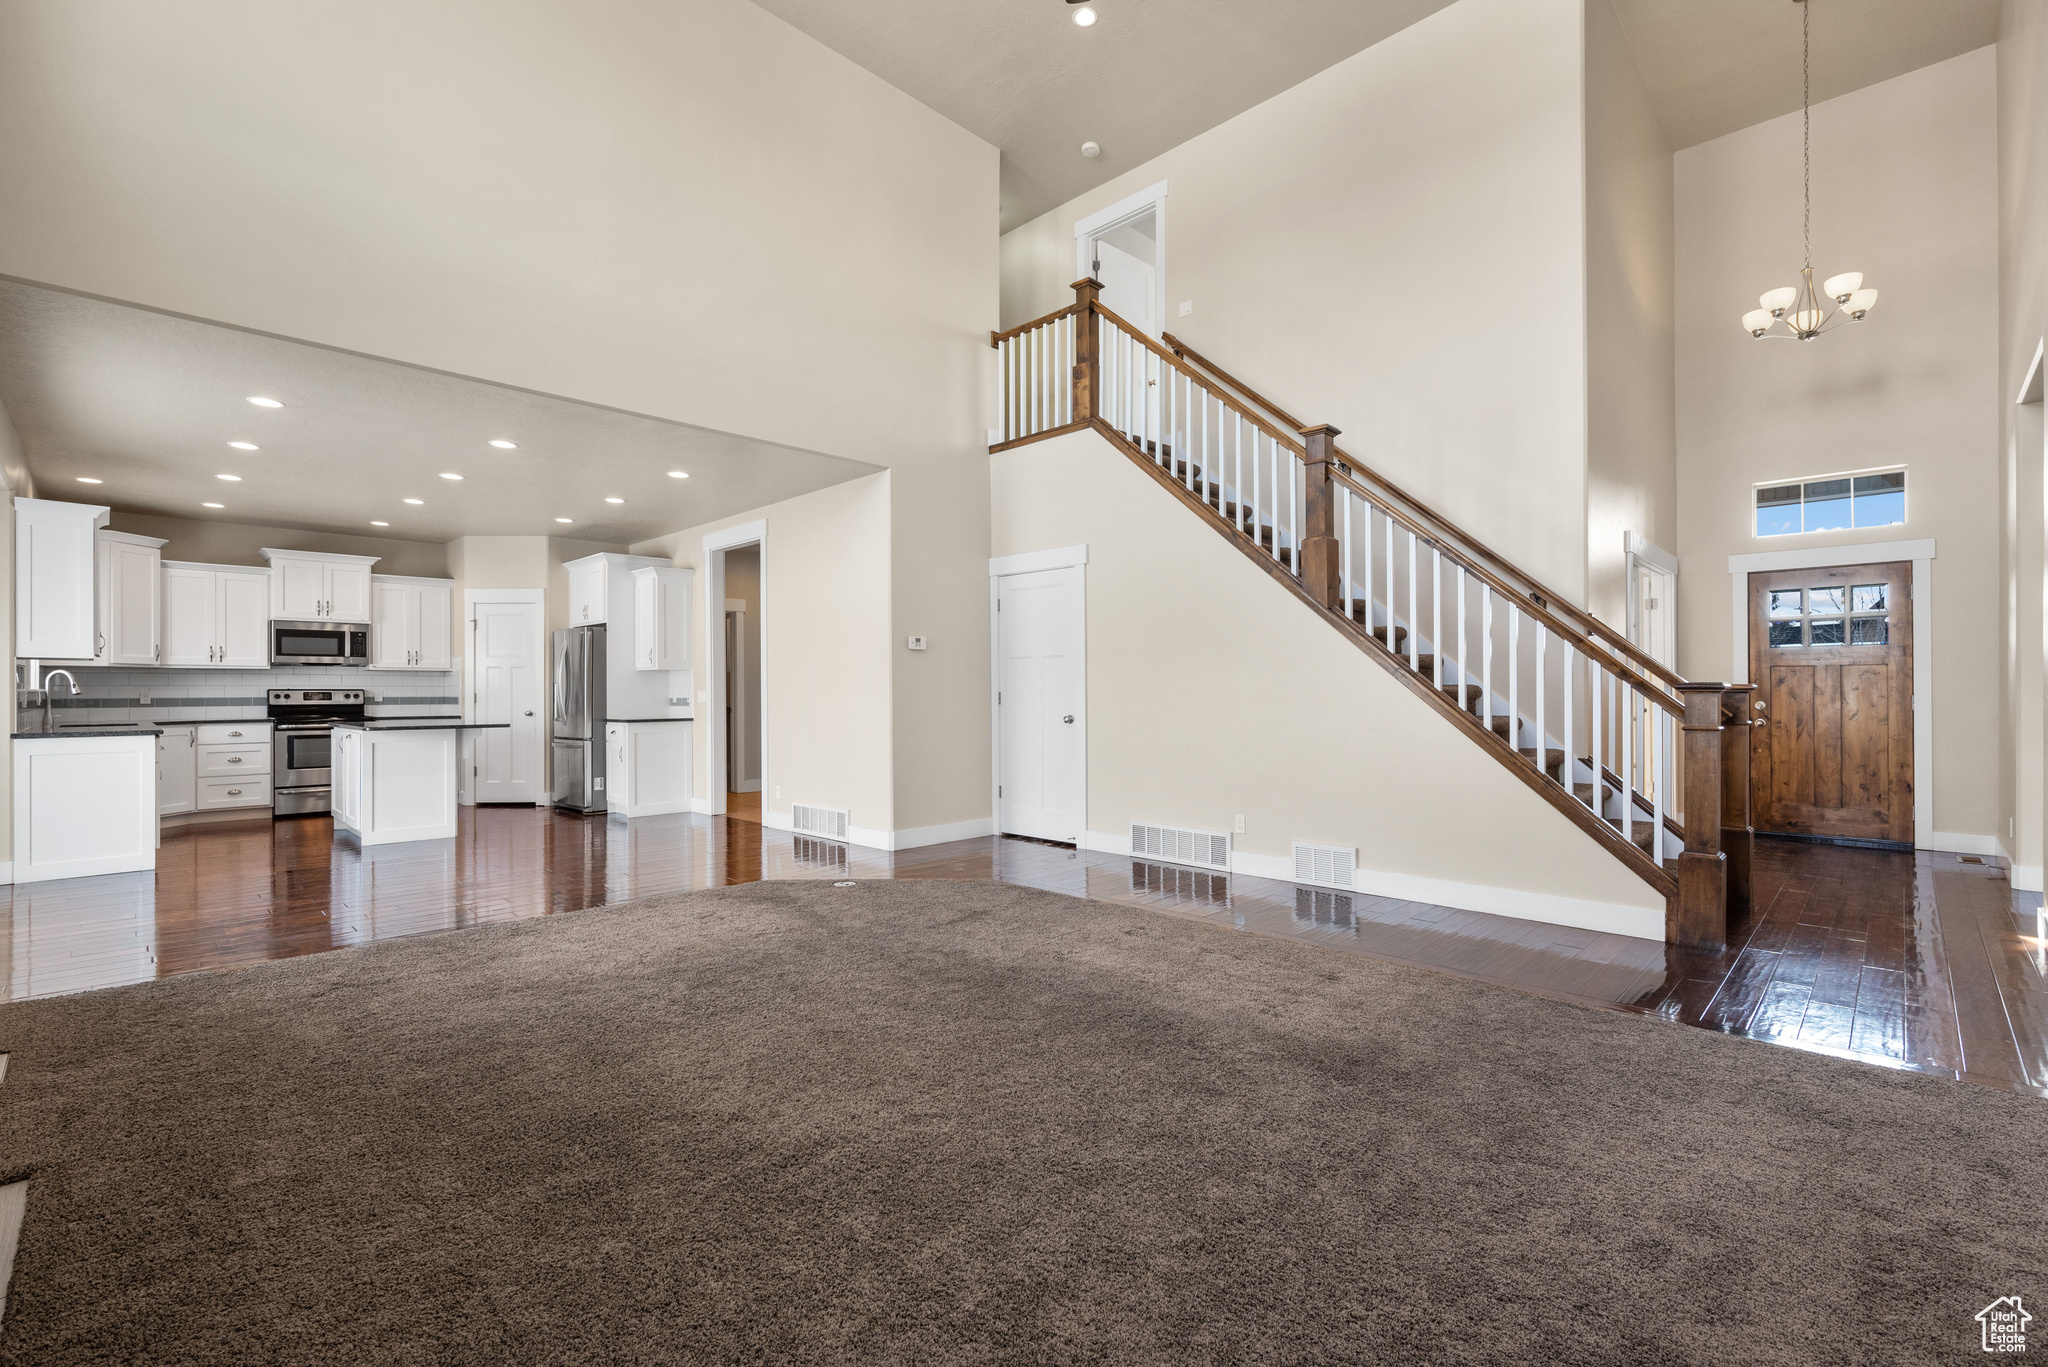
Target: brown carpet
[(957, 1122)]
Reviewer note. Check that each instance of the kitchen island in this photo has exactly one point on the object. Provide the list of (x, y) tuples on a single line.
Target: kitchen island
[(396, 780), (84, 801)]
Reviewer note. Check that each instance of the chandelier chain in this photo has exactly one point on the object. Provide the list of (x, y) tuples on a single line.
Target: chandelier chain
[(1806, 120)]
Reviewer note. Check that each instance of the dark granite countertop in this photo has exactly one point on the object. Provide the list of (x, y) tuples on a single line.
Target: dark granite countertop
[(87, 733), (641, 721), (422, 724)]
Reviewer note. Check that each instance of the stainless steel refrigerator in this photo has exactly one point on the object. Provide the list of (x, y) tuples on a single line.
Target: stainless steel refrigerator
[(580, 694)]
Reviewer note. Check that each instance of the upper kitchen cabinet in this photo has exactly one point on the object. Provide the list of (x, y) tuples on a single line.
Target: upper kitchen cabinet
[(600, 589), (306, 586), (128, 569), (410, 621), (55, 557), (216, 616), (661, 617)]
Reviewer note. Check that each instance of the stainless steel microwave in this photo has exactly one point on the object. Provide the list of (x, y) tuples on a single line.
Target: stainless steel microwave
[(320, 643)]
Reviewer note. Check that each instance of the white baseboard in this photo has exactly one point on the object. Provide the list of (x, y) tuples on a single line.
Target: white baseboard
[(6, 872), (867, 837), (752, 785), (1641, 923), (1962, 842), (2026, 878), (702, 806)]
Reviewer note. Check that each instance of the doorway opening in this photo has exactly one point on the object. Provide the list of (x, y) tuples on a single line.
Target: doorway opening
[(742, 627), (1124, 246)]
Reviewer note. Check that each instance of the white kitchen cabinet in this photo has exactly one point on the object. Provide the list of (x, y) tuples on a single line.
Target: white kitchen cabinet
[(410, 621), (601, 589), (395, 786), (127, 572), (661, 617), (306, 586), (650, 767), (176, 770), (216, 616), (55, 560)]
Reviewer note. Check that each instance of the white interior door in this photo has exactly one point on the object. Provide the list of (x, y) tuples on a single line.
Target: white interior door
[(1127, 286), (508, 654), (1040, 701)]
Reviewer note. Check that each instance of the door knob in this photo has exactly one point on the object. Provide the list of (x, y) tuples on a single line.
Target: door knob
[(1068, 719), (529, 714)]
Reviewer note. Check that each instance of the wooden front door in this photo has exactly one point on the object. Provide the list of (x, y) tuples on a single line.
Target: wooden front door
[(1831, 654)]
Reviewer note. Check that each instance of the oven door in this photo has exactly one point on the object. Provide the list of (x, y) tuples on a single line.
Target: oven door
[(300, 756), (319, 643)]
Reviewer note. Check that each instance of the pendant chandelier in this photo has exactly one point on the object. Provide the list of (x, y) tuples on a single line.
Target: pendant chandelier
[(1798, 312)]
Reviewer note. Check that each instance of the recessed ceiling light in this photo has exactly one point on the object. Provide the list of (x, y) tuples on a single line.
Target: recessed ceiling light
[(87, 479), (1085, 17), (504, 445), (245, 446), (213, 505), (446, 475), (565, 519), (232, 479), (615, 500), (415, 502), (679, 474), (380, 524), (262, 402)]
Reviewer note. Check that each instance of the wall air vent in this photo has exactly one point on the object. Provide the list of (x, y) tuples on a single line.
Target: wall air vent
[(829, 822), (1327, 866), (1175, 845)]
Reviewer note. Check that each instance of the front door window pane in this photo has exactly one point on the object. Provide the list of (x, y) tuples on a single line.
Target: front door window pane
[(1868, 598), (1824, 600), (1827, 632), (1785, 603), (1785, 634), (1869, 631)]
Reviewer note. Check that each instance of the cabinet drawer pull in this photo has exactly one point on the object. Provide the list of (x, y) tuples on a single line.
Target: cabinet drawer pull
[(234, 792), (234, 733), (234, 759)]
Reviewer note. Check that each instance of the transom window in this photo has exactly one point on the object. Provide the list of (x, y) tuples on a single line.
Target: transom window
[(1832, 503), (1859, 615)]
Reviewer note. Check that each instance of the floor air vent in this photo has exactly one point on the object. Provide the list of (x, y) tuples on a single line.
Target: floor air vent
[(829, 822), (1328, 866), (1203, 849)]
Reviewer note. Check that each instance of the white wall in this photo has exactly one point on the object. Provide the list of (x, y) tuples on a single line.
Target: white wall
[(1193, 719), (2023, 445), (1396, 246), (1904, 190), (242, 543), (826, 652), (1631, 432), (691, 211)]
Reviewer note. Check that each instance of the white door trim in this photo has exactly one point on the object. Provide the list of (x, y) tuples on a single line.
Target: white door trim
[(1921, 553), (466, 759), (716, 544), (1068, 557), (1152, 198)]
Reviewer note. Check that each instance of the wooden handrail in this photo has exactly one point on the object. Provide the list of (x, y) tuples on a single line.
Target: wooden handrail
[(1292, 443), (1514, 595), (1588, 622), (996, 339)]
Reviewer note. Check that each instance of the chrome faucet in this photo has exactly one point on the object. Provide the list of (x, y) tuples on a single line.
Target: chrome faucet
[(49, 695)]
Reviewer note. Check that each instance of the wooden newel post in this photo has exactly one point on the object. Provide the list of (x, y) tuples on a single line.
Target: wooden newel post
[(1087, 377), (1319, 548), (1698, 917), (1738, 718)]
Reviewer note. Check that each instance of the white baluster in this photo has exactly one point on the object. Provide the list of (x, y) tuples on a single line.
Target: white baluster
[(1486, 650), (1344, 551), (1367, 559), (1393, 594), (1436, 615), (1627, 714), (1542, 716), (1599, 684), (1414, 614), (1254, 533), (1514, 675), (1657, 755), (1571, 763), (1463, 658)]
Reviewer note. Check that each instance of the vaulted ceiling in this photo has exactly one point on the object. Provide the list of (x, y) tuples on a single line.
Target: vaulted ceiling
[(1153, 73)]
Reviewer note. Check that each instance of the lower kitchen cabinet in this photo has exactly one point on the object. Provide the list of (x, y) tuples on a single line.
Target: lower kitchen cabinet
[(213, 767), (650, 767), (83, 805)]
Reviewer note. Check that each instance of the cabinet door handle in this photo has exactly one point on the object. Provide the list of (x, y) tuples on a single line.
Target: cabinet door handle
[(234, 759)]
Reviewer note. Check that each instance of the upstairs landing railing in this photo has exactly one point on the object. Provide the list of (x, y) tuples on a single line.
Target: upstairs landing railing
[(1624, 745)]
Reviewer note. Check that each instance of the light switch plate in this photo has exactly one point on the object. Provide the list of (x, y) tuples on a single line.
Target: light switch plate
[(1187, 306), (917, 643)]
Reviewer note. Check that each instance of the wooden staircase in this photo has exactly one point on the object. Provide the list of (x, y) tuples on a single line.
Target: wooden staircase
[(1652, 766)]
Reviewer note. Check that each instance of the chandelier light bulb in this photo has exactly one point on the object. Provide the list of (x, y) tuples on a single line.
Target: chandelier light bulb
[(1755, 321), (1775, 302), (1840, 287), (1859, 303)]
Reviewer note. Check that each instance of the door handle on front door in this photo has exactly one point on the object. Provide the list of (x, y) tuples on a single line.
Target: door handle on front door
[(529, 714), (1068, 719)]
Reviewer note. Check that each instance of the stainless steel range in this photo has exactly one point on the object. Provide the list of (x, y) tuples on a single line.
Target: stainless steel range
[(301, 736)]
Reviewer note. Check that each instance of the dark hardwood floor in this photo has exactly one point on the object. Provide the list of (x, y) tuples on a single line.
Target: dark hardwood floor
[(1902, 960)]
